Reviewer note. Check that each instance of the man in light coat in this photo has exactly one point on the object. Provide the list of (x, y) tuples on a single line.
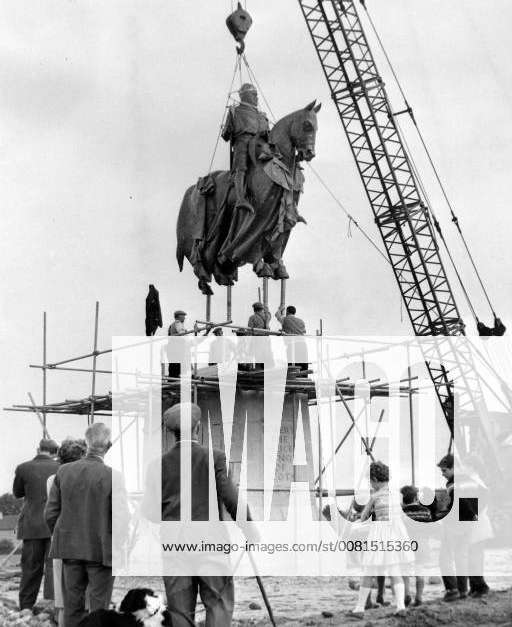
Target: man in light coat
[(79, 513)]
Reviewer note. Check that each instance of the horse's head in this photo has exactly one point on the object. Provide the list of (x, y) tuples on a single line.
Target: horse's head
[(303, 131)]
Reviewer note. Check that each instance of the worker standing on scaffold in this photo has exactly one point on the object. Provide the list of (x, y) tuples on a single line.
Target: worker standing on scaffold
[(260, 318)]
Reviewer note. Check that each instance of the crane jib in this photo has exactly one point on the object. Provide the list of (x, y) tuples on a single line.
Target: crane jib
[(401, 213)]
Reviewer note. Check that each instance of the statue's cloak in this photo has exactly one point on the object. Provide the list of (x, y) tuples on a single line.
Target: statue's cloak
[(225, 238)]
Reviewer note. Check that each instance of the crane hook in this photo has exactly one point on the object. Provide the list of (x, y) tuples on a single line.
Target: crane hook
[(239, 22)]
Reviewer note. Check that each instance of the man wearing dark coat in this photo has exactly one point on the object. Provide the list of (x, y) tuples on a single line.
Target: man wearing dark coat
[(291, 324), (79, 513), (457, 553), (216, 592), (244, 123), (30, 483)]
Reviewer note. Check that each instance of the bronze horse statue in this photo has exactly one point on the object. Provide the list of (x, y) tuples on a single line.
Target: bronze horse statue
[(217, 238)]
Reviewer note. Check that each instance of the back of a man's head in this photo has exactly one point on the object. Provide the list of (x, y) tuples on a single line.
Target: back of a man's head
[(446, 462), (290, 310), (98, 437), (48, 446), (173, 417), (409, 494)]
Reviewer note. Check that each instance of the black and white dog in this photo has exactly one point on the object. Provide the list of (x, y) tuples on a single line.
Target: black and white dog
[(141, 607)]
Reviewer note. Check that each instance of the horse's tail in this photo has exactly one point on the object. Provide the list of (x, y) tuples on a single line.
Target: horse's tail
[(180, 256), (192, 218), (180, 247)]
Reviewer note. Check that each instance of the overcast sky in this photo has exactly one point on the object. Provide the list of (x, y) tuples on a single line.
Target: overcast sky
[(111, 109)]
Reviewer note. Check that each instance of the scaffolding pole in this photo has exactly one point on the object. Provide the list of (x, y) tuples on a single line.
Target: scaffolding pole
[(265, 298), (208, 307), (46, 435), (411, 422), (44, 370), (282, 300), (94, 358), (320, 453), (228, 302)]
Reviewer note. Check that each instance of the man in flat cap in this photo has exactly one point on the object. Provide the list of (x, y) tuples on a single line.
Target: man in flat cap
[(176, 328), (260, 318), (244, 123), (217, 592), (30, 483)]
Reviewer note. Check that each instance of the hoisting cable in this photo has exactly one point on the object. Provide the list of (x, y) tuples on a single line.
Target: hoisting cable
[(237, 65), (253, 78), (239, 61), (351, 218), (427, 152), (436, 223)]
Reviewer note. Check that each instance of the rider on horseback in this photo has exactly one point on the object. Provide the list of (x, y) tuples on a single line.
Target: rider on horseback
[(244, 123)]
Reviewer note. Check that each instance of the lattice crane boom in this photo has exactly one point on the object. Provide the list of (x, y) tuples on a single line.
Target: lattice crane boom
[(401, 214)]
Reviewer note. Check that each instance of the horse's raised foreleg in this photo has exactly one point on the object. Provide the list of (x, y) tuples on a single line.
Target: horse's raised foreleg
[(273, 257), (196, 260)]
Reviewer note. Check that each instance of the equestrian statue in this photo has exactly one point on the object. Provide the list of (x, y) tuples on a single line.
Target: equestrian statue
[(245, 215)]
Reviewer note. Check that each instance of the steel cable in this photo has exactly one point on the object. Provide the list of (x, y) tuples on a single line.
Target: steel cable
[(237, 65), (454, 218), (351, 219)]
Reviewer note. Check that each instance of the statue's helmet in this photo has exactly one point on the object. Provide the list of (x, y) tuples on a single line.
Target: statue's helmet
[(248, 93), (246, 88)]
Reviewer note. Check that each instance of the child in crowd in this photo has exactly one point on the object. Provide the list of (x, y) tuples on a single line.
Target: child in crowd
[(416, 511), (387, 526)]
